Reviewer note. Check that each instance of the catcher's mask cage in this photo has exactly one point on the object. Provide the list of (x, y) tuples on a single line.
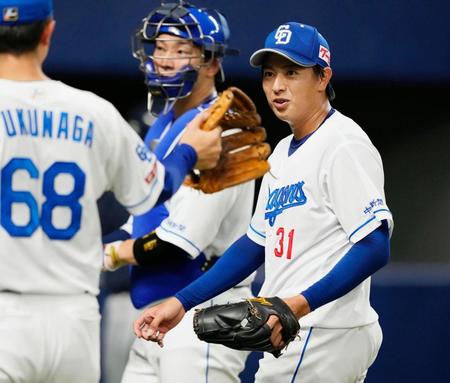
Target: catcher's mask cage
[(207, 29)]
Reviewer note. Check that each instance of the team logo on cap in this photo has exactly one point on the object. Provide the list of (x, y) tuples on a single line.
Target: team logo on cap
[(10, 14), (283, 34), (324, 54)]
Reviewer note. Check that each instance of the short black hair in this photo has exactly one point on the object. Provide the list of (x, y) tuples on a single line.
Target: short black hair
[(22, 38), (319, 71)]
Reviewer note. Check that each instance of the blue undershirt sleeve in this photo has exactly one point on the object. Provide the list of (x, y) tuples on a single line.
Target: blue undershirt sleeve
[(242, 258), (363, 259), (177, 165), (116, 235)]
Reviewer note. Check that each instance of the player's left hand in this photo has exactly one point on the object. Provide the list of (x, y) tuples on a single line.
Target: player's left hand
[(277, 337), (299, 306), (256, 324)]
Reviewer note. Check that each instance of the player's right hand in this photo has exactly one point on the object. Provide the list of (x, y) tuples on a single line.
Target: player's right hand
[(156, 321), (118, 254), (111, 261), (207, 144)]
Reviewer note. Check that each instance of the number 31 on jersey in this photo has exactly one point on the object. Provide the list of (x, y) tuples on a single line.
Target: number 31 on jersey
[(281, 249)]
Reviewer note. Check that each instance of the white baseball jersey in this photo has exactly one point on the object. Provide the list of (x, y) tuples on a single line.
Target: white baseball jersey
[(60, 149), (207, 223), (312, 206), (200, 222)]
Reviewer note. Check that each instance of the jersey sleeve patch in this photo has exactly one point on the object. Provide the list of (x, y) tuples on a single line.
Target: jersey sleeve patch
[(371, 224)]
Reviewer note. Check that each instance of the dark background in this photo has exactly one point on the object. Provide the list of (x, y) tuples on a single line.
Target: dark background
[(391, 75)]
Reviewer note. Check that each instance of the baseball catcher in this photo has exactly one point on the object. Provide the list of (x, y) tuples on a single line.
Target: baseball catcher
[(243, 325), (244, 152)]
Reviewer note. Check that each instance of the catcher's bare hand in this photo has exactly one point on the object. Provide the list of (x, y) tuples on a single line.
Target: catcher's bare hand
[(156, 321), (207, 144), (111, 261), (118, 254)]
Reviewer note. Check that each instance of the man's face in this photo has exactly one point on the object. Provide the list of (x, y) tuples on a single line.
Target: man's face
[(172, 53), (291, 90)]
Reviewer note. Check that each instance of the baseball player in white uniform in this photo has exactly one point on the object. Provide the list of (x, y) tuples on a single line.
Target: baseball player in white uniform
[(60, 149), (187, 45), (321, 225)]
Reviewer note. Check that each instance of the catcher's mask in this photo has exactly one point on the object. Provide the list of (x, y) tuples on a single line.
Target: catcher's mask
[(206, 29)]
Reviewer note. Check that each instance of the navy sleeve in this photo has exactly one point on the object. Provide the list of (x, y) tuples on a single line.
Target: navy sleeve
[(149, 221), (177, 165), (363, 259), (117, 235), (238, 262)]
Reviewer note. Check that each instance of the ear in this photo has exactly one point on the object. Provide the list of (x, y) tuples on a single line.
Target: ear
[(47, 33), (325, 78), (213, 68)]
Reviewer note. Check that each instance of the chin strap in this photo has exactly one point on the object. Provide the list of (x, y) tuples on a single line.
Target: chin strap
[(159, 105)]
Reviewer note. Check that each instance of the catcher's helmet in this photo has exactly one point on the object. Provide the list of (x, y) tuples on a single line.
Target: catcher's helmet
[(207, 29)]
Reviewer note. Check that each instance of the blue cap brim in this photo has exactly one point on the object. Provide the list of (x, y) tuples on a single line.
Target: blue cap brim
[(257, 58), (14, 12)]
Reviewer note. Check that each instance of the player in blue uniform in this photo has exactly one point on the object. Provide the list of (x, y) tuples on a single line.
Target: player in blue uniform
[(180, 48)]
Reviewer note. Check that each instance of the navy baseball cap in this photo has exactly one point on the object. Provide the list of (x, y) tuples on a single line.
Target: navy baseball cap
[(16, 12), (299, 43)]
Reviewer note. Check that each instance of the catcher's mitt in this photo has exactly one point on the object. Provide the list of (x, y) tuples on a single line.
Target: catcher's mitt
[(244, 153), (243, 326)]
